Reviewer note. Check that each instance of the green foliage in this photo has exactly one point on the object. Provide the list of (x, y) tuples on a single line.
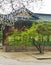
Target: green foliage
[(38, 30), (0, 36)]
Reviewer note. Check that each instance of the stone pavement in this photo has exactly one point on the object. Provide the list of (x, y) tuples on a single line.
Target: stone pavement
[(21, 58)]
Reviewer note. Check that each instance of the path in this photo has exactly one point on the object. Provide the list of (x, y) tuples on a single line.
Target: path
[(21, 58)]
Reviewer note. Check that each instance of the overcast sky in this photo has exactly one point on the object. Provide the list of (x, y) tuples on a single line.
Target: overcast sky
[(36, 7)]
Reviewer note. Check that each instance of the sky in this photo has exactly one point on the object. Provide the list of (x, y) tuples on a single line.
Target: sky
[(36, 7), (46, 7)]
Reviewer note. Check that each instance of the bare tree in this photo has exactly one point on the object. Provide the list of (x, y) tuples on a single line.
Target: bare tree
[(15, 5)]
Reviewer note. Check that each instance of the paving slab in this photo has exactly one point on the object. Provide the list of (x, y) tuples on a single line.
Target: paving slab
[(46, 55)]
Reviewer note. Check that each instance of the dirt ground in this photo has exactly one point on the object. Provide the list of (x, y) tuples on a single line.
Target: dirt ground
[(22, 58)]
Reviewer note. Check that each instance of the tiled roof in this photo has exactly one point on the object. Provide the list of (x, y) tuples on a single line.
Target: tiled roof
[(31, 16)]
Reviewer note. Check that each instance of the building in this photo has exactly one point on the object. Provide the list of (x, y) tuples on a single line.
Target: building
[(19, 18)]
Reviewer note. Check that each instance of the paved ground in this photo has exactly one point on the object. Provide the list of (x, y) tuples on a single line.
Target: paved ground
[(21, 58)]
